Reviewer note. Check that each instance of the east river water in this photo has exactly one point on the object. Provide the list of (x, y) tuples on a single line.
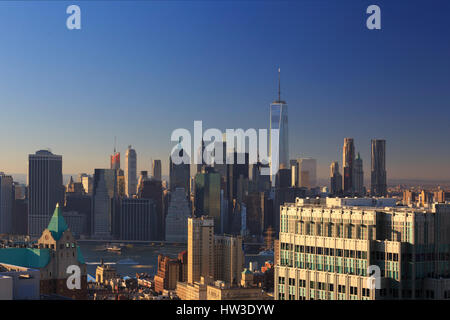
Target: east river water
[(140, 258)]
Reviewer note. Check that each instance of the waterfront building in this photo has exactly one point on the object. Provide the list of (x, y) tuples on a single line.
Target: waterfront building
[(152, 189), (137, 219), (82, 206)]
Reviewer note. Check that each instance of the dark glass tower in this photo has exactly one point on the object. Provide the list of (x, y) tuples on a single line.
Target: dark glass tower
[(348, 165), (45, 189), (378, 178)]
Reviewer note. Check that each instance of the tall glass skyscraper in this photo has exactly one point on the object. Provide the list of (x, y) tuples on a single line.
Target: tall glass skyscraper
[(130, 172), (378, 173), (45, 189), (348, 165), (180, 174), (104, 213), (279, 149)]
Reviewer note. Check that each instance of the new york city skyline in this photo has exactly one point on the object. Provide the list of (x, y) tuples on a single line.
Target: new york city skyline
[(172, 64), (237, 154)]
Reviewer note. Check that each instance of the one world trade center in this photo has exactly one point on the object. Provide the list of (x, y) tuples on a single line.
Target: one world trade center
[(279, 144)]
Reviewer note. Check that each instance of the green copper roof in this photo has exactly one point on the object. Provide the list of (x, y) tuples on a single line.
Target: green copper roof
[(246, 271), (25, 257), (57, 223)]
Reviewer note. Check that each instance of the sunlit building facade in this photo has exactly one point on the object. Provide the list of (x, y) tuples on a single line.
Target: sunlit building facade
[(325, 251)]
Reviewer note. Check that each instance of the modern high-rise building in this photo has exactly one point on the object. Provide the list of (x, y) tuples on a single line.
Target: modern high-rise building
[(137, 219), (6, 203), (328, 251), (104, 212), (200, 249), (86, 181), (130, 172), (115, 160), (207, 196), (213, 257), (335, 179), (229, 259), (140, 184), (152, 189), (156, 166), (348, 165), (256, 212), (378, 179), (168, 273), (177, 216), (180, 173), (279, 149), (45, 189), (237, 174), (306, 175), (358, 176)]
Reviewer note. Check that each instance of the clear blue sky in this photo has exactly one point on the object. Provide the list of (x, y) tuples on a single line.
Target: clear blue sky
[(139, 70)]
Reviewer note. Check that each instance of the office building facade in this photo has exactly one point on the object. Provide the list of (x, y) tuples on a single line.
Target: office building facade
[(45, 189), (348, 160), (335, 179), (325, 251), (177, 217), (378, 179), (358, 177), (104, 197), (130, 172), (156, 166), (6, 203), (137, 219)]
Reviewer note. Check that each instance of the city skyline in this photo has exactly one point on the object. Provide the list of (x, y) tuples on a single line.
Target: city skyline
[(392, 88)]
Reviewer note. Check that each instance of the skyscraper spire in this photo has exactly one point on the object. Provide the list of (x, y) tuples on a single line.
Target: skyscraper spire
[(115, 138), (279, 84)]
